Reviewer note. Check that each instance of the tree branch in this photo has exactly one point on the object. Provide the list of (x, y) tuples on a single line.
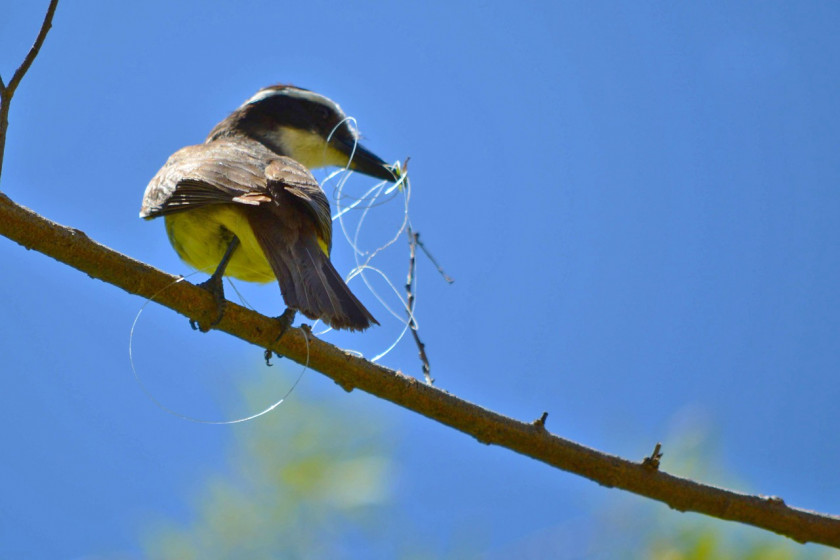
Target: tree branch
[(73, 247), (8, 91), (76, 249)]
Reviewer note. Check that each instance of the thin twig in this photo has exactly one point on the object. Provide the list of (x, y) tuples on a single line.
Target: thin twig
[(8, 91), (409, 288), (74, 248), (446, 277)]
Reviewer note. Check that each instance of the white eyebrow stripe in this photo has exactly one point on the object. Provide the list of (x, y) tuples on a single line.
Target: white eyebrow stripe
[(299, 93), (262, 94)]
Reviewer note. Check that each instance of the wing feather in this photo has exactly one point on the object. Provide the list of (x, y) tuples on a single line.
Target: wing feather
[(232, 170)]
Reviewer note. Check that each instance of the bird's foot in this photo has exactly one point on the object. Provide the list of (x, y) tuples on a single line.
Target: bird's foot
[(214, 286), (285, 320)]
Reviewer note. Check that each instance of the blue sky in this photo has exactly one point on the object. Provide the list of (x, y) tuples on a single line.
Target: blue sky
[(639, 204)]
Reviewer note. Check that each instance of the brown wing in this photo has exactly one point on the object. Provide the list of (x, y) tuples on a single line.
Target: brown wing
[(233, 170)]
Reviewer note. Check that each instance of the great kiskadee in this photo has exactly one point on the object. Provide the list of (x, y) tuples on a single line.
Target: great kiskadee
[(245, 204)]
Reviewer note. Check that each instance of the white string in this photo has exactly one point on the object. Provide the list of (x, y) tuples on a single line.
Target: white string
[(187, 417), (377, 195)]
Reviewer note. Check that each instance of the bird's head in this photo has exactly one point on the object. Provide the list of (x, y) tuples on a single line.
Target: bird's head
[(306, 127)]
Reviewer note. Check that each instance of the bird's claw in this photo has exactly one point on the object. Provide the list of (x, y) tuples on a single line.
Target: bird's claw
[(215, 287), (285, 320)]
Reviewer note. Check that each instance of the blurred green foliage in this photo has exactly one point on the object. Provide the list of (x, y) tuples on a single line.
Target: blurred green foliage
[(692, 450), (313, 479), (303, 482), (702, 541)]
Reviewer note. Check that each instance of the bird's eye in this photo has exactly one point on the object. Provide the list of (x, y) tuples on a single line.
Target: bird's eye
[(322, 112)]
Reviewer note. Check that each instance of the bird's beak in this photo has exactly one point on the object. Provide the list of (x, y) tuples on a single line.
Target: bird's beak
[(365, 161)]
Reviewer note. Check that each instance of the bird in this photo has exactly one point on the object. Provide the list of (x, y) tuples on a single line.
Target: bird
[(245, 203)]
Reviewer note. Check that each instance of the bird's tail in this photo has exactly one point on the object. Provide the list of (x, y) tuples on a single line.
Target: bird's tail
[(308, 280)]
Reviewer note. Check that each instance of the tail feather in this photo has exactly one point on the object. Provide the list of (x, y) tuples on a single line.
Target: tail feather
[(308, 280)]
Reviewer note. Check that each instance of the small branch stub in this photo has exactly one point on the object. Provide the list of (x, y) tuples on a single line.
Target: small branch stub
[(777, 500), (539, 423), (652, 462)]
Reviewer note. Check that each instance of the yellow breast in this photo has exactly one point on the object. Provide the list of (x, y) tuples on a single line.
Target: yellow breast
[(200, 237)]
